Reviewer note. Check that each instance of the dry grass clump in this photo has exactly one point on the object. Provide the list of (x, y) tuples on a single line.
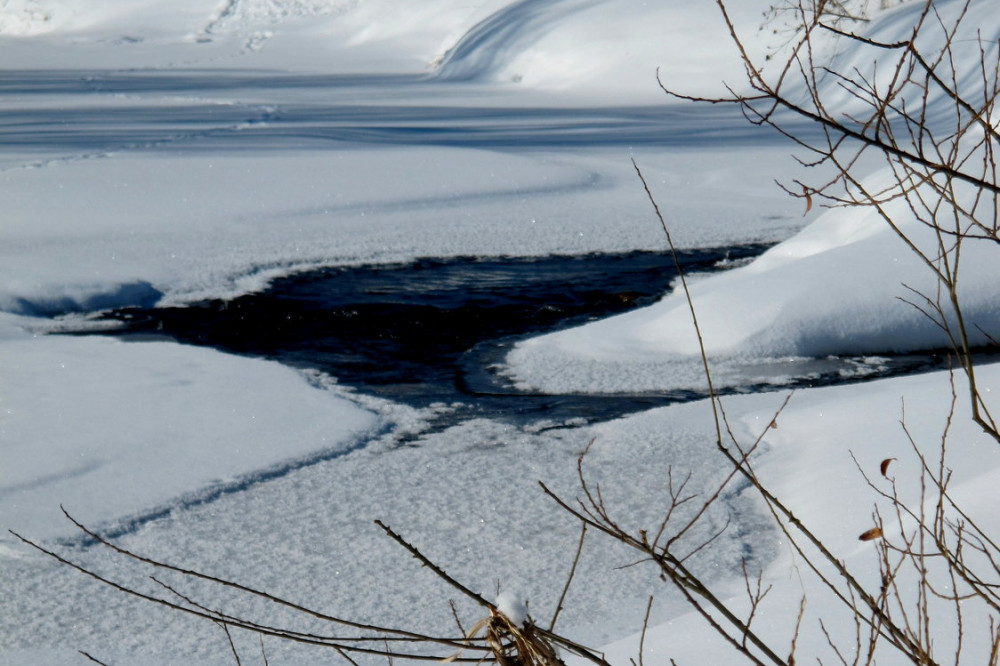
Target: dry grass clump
[(513, 644)]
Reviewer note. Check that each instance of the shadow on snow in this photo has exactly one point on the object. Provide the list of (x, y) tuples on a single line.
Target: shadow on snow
[(239, 111)]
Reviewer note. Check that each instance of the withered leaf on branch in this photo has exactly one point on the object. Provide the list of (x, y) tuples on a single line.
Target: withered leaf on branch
[(870, 535), (884, 467)]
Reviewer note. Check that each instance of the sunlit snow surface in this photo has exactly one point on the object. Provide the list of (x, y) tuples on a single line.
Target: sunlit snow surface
[(845, 284), (157, 151)]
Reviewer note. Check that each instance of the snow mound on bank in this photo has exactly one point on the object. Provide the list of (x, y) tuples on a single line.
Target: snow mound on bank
[(25, 18), (585, 47), (496, 40), (589, 45), (975, 25), (847, 284), (243, 12), (137, 19)]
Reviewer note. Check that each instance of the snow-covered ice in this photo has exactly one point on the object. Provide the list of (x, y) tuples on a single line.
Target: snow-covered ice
[(109, 428)]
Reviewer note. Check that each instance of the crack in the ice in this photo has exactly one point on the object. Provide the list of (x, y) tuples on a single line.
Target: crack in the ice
[(121, 527)]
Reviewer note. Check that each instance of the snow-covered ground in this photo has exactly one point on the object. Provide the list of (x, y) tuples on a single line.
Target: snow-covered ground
[(169, 151), (809, 459)]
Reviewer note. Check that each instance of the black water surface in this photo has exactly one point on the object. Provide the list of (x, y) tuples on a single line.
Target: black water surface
[(430, 331)]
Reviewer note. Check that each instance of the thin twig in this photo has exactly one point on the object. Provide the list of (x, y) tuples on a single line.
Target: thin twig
[(569, 579), (92, 658)]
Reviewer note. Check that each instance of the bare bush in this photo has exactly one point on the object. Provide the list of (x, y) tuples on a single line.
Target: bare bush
[(934, 128), (932, 124)]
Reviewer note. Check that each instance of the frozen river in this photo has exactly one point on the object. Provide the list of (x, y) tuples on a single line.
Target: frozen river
[(385, 237)]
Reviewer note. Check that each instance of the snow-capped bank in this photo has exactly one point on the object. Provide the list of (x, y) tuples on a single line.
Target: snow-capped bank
[(582, 49), (587, 47), (312, 35), (844, 285), (116, 431), (808, 461), (975, 26)]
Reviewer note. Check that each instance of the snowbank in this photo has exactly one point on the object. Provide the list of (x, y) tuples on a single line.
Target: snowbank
[(589, 47), (808, 462), (845, 285), (580, 48), (120, 431), (976, 28)]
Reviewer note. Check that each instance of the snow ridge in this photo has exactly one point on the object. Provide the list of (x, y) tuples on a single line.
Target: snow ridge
[(498, 39)]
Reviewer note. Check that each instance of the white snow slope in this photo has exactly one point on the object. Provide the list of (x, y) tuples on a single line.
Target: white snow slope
[(844, 284), (166, 152)]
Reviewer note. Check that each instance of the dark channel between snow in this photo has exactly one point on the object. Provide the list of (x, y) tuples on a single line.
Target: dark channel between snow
[(434, 330)]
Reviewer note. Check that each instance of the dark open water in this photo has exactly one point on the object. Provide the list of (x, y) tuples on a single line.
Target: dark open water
[(432, 331)]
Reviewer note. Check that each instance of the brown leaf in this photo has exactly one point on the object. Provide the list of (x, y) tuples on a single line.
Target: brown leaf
[(774, 424), (809, 199), (884, 467), (873, 533)]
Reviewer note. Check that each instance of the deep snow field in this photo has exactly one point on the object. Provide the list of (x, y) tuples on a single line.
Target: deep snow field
[(166, 152)]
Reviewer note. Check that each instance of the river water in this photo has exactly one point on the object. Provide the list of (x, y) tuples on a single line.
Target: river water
[(434, 330)]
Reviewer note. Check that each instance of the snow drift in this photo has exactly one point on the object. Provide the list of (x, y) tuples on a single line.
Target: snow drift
[(849, 284)]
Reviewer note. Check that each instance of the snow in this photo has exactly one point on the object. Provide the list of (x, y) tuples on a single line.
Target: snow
[(808, 461), (512, 606), (848, 283), (161, 152), (100, 425), (804, 283)]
